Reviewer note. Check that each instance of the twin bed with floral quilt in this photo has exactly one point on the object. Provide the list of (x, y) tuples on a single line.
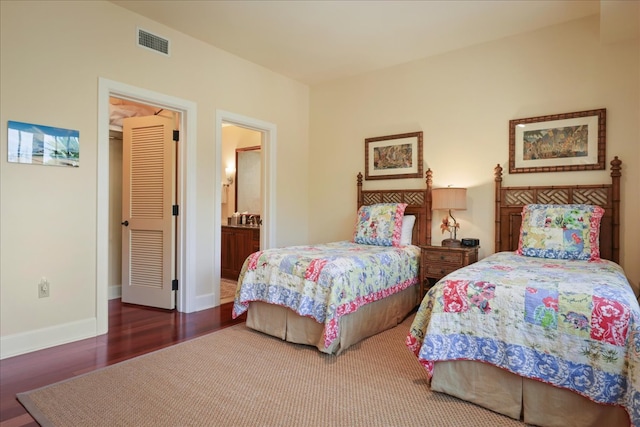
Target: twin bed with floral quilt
[(547, 329), (326, 282), (333, 295), (572, 324)]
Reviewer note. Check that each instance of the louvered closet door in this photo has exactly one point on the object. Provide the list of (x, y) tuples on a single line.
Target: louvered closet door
[(148, 189)]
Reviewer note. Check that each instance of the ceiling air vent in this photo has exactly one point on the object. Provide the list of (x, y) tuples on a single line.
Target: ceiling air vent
[(153, 42)]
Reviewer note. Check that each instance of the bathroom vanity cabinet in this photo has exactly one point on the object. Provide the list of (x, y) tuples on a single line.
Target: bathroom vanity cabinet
[(238, 242)]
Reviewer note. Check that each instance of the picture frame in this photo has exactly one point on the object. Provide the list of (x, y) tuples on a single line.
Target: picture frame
[(393, 156), (558, 142), (42, 145)]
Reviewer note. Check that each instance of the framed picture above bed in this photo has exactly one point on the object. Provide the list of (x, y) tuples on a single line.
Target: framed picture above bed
[(393, 156), (558, 142)]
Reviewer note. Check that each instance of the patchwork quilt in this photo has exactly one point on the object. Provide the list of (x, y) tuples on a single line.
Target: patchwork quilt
[(574, 324), (325, 282)]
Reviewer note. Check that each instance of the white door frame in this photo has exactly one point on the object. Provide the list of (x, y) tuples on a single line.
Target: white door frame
[(267, 180), (185, 233)]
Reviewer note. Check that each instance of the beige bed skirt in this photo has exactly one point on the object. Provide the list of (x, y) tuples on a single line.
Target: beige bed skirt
[(368, 320), (532, 401)]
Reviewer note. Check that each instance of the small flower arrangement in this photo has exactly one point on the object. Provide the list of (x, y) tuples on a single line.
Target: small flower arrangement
[(451, 228)]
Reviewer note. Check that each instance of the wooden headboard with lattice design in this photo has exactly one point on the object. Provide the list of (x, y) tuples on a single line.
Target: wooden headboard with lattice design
[(418, 204), (510, 200)]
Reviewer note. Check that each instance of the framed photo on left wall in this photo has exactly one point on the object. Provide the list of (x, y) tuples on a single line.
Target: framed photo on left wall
[(393, 156), (42, 145)]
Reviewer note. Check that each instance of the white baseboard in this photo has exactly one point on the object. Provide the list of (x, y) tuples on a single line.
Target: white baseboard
[(17, 344), (203, 302), (115, 291)]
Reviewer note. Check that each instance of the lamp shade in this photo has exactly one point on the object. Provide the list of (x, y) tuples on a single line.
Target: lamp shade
[(449, 198)]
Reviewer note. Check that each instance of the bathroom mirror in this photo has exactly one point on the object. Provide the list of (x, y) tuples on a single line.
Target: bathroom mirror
[(248, 172)]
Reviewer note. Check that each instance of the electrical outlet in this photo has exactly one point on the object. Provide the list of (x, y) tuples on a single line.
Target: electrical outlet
[(43, 288)]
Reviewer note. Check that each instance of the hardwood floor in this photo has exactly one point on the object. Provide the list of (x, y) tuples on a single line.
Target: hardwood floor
[(133, 330)]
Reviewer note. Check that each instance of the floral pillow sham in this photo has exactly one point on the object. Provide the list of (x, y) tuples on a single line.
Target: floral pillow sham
[(560, 231), (379, 224)]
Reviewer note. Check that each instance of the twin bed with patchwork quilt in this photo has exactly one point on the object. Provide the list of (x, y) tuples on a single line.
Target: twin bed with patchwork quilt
[(326, 282), (547, 329), (333, 295), (573, 324)]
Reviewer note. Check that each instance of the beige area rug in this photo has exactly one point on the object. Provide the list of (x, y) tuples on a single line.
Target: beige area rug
[(239, 377), (227, 290)]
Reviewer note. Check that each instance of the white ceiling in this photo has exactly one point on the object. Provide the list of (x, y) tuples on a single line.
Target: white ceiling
[(319, 41)]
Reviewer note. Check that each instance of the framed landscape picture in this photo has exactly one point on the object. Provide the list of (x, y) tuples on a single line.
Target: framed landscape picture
[(42, 145), (393, 156), (559, 142)]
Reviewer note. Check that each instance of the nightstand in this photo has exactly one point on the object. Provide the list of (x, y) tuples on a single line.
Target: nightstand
[(438, 261)]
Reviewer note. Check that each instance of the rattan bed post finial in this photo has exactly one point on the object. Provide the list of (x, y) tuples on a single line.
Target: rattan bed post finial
[(616, 167), (497, 171)]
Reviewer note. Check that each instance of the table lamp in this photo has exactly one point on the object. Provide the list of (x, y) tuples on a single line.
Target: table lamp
[(449, 198)]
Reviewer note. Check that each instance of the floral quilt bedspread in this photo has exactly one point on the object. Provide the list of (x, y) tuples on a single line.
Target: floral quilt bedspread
[(573, 324), (325, 282)]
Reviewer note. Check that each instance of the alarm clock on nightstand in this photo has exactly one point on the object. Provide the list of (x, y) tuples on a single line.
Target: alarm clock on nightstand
[(470, 243)]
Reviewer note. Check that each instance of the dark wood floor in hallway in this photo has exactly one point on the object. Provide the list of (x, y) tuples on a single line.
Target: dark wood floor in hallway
[(133, 330)]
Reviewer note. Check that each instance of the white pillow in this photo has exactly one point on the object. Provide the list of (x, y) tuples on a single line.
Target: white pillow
[(407, 229)]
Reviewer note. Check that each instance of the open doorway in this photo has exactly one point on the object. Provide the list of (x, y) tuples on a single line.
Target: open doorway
[(241, 199), (185, 234), (255, 133), (145, 278)]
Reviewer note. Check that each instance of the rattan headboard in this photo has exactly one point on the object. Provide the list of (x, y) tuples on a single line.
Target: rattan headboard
[(418, 204), (510, 200)]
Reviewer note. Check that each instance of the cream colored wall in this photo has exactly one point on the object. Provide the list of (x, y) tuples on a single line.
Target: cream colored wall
[(52, 55), (463, 102)]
